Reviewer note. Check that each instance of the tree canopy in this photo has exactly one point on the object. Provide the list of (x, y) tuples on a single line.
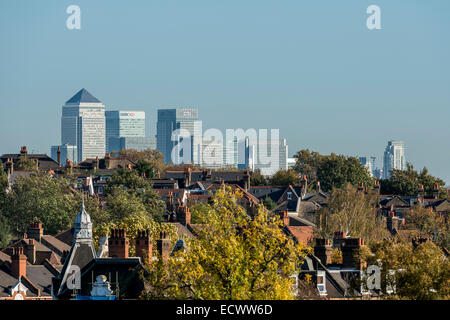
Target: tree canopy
[(333, 171), (232, 257), (406, 182)]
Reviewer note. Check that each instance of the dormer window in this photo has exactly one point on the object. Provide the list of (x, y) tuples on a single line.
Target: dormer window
[(321, 286)]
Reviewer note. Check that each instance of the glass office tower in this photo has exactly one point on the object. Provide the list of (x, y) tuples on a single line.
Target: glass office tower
[(124, 124), (83, 125), (394, 158), (181, 118)]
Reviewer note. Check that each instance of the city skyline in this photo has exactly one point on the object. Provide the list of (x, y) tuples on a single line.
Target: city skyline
[(311, 69)]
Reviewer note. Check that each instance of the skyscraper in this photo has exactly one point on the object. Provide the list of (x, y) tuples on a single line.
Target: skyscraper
[(126, 129), (369, 164), (83, 125), (394, 158), (170, 120)]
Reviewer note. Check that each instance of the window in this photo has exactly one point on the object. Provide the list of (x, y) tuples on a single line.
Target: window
[(321, 283), (289, 195)]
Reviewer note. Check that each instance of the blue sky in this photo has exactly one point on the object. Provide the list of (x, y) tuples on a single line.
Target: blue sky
[(310, 68)]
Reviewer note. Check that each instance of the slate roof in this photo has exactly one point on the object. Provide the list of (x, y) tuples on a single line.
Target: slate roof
[(83, 96)]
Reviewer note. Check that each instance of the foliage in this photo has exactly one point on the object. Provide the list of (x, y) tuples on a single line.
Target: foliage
[(406, 182), (257, 179), (49, 200), (421, 273), (25, 164), (428, 224), (231, 257), (269, 203), (4, 232), (352, 212), (336, 256), (285, 178), (146, 168), (135, 192), (333, 171), (153, 157)]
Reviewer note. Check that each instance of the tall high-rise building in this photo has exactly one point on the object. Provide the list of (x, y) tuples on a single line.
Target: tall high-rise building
[(394, 158), (83, 125), (170, 120), (126, 124), (268, 156), (369, 164)]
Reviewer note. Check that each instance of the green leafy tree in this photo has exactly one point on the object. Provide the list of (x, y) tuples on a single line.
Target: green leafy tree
[(146, 168), (406, 182), (231, 257), (4, 232), (285, 178), (49, 200), (333, 171), (25, 164), (352, 212), (418, 273), (153, 157), (257, 179), (428, 224), (269, 203)]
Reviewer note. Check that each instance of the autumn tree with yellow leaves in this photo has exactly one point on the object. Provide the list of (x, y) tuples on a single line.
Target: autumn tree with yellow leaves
[(232, 256)]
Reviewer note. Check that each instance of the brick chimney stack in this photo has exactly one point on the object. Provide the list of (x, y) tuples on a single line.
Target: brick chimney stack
[(69, 166), (350, 246), (435, 191), (184, 215), (118, 244), (35, 231), (392, 221), (163, 245), (376, 187), (285, 217), (360, 186), (323, 251), (24, 152), (96, 163), (247, 179), (9, 166), (19, 263), (187, 176), (58, 155), (107, 160), (420, 193), (30, 251), (144, 245), (338, 239)]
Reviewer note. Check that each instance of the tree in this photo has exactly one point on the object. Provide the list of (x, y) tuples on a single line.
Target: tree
[(352, 212), (307, 163), (49, 200), (4, 232), (153, 157), (406, 182), (418, 273), (146, 168), (25, 164), (232, 257), (428, 224), (257, 179), (3, 186), (335, 171), (138, 189), (285, 178), (269, 203), (332, 170)]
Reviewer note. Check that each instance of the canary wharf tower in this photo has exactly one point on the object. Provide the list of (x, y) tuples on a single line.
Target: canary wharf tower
[(83, 125)]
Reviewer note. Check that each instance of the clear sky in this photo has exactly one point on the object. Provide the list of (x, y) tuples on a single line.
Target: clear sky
[(310, 68)]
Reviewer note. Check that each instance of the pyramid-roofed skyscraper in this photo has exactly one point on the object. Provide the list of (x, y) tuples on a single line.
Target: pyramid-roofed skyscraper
[(83, 125)]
